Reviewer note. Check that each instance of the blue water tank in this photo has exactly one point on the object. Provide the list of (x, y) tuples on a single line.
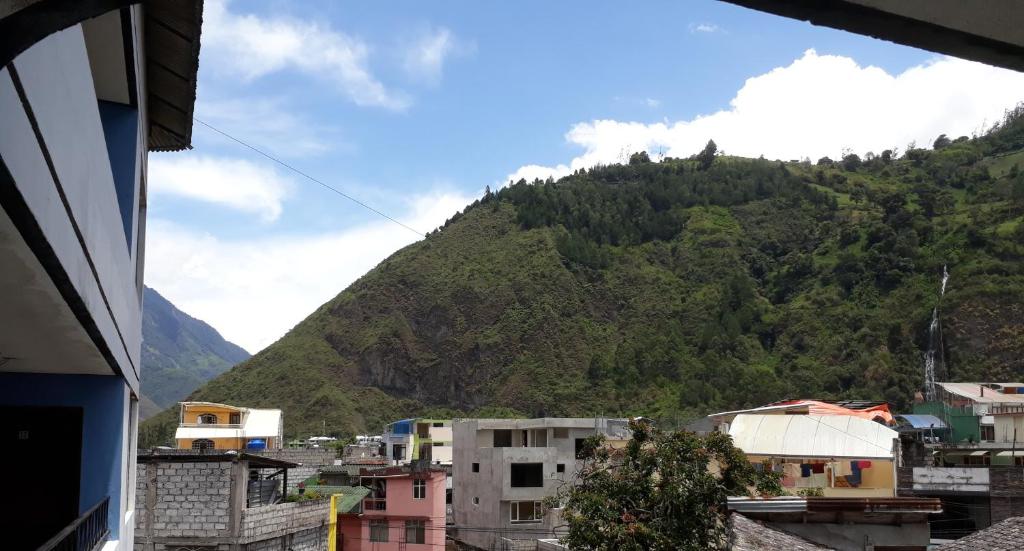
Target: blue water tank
[(256, 444)]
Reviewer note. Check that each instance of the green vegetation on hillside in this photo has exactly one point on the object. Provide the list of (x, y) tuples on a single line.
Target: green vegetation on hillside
[(179, 353), (670, 289)]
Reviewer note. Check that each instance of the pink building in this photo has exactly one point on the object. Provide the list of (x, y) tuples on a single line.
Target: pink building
[(404, 510)]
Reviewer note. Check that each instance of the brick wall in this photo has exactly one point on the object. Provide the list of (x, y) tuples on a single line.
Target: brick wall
[(1007, 492), (261, 523)]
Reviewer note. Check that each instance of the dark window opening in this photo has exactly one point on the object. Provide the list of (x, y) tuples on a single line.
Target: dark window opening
[(527, 475), (439, 424), (476, 467), (202, 444), (503, 438), (235, 419), (415, 531), (560, 467), (988, 433), (207, 419), (583, 451)]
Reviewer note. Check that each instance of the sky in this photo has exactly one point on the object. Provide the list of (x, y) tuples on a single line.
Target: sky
[(414, 108)]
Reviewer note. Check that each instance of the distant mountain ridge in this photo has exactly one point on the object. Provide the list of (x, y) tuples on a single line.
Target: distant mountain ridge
[(179, 353)]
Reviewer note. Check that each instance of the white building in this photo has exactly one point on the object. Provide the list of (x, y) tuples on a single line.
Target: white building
[(87, 89), (504, 468)]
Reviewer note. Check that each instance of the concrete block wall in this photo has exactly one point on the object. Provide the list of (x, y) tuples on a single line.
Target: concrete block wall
[(261, 523), (313, 539), (183, 499), (1007, 492)]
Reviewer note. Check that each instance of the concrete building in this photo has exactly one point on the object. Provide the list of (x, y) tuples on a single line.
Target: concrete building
[(504, 468), (403, 509), (972, 411), (840, 455), (411, 440), (87, 89), (223, 501), (205, 425)]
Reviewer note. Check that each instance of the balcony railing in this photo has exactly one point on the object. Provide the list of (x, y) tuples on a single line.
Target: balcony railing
[(372, 504), (86, 533), (213, 425)]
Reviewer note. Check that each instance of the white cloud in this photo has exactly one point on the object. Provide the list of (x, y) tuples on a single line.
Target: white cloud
[(251, 46), (707, 28), (234, 183), (267, 123), (816, 106), (425, 58), (255, 290), (652, 103)]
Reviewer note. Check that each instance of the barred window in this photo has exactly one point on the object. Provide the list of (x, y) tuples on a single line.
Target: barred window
[(415, 531), (379, 530)]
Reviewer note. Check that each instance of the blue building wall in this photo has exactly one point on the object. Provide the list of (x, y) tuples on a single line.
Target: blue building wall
[(103, 403), (121, 130)]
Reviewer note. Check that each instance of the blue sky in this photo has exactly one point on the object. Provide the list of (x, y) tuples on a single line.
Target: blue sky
[(414, 107)]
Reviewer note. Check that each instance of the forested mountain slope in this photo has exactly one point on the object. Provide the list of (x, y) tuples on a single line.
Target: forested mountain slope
[(179, 353), (670, 289)]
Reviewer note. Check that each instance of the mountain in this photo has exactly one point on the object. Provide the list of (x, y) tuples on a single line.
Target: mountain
[(179, 354), (672, 288)]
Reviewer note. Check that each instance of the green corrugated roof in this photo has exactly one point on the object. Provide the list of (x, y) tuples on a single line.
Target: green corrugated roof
[(352, 496)]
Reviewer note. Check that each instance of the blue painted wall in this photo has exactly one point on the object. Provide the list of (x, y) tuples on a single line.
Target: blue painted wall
[(102, 399), (121, 130)]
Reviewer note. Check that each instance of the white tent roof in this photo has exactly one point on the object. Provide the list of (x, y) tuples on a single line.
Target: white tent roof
[(826, 436)]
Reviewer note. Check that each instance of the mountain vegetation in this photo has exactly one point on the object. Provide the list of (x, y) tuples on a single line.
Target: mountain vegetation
[(179, 354), (670, 289)]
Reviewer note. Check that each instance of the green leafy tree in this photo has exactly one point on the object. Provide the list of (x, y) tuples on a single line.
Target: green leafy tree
[(941, 141), (664, 491), (639, 158), (707, 156)]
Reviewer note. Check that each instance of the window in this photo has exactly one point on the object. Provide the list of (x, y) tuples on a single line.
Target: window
[(527, 475), (988, 433), (415, 531), (379, 530), (526, 511), (439, 424), (582, 450), (438, 444), (207, 419), (419, 489), (476, 467), (202, 444), (561, 433), (235, 419), (503, 438), (560, 467), (476, 501)]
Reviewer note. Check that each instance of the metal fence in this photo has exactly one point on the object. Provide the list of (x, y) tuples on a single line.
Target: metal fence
[(86, 533)]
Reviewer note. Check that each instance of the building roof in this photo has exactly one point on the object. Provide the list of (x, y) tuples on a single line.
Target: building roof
[(923, 421), (164, 455), (981, 394), (172, 65), (750, 535), (1006, 535), (812, 436), (866, 410), (256, 423)]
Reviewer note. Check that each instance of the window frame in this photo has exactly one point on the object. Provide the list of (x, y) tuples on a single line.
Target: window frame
[(514, 516), (204, 419), (379, 528), (203, 444), (419, 488), (419, 530)]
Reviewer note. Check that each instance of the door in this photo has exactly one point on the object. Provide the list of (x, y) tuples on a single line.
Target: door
[(46, 441)]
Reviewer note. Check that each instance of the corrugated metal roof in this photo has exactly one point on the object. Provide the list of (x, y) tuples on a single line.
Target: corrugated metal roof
[(172, 65), (812, 436), (923, 421), (980, 394)]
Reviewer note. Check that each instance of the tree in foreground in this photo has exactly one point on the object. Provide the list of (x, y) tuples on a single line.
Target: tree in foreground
[(664, 490), (707, 156)]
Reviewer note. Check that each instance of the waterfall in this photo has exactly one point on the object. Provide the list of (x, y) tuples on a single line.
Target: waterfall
[(934, 343)]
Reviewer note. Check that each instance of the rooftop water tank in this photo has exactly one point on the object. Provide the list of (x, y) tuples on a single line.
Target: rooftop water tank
[(256, 444)]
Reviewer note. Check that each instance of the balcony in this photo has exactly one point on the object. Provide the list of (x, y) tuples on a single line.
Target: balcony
[(87, 533), (211, 425), (375, 504)]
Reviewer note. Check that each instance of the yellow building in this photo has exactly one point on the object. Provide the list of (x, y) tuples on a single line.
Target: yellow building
[(206, 425)]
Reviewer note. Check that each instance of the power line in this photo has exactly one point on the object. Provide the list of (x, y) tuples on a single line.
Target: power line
[(307, 176)]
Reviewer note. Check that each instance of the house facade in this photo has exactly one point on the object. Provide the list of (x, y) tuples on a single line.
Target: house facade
[(419, 439), (403, 508), (503, 470), (206, 425), (77, 80)]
